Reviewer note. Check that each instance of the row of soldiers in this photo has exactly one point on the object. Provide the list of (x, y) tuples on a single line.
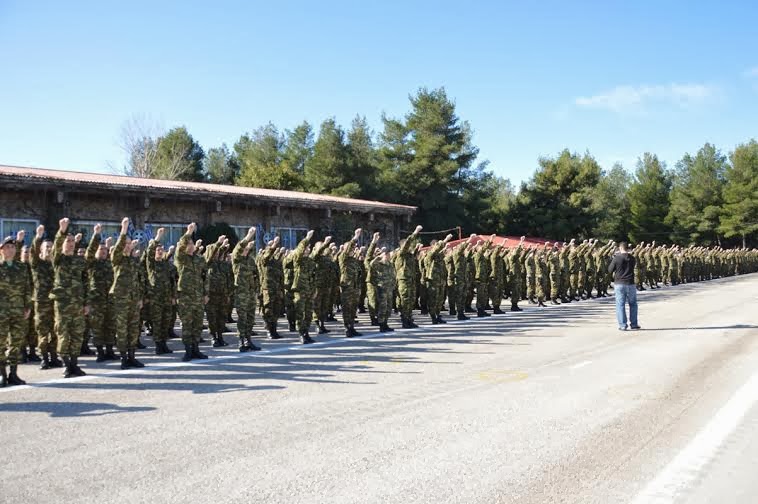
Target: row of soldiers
[(59, 294)]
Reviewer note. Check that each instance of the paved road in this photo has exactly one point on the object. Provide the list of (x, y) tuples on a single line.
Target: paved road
[(551, 405)]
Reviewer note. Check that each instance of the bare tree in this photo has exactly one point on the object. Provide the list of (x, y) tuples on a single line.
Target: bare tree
[(138, 138)]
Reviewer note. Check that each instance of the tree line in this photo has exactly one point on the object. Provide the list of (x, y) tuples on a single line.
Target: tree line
[(427, 159)]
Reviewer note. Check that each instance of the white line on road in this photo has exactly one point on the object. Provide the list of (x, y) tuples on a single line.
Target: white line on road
[(681, 472), (581, 364)]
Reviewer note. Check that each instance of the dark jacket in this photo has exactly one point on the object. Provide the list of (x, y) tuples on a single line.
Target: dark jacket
[(622, 267)]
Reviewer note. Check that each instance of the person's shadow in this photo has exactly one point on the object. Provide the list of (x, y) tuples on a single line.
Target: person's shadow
[(71, 409)]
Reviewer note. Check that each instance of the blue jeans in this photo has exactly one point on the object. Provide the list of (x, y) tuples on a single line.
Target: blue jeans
[(626, 294)]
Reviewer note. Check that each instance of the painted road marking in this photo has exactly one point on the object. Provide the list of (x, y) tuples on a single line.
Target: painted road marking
[(688, 465)]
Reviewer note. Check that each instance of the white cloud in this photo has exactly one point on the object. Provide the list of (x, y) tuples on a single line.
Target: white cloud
[(635, 99)]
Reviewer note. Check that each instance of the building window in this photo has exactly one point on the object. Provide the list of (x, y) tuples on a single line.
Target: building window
[(9, 227), (110, 229), (173, 232), (289, 237)]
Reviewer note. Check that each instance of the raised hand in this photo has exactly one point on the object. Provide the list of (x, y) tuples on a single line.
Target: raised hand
[(78, 237), (309, 236), (124, 225), (418, 229), (358, 233), (221, 239), (159, 234), (20, 236), (97, 228), (376, 237), (191, 227), (63, 224), (251, 232), (448, 238), (40, 231), (108, 241), (327, 240)]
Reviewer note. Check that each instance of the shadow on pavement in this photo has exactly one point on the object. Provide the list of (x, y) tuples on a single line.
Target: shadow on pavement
[(71, 409)]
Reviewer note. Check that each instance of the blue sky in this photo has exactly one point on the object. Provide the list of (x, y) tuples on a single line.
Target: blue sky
[(614, 78)]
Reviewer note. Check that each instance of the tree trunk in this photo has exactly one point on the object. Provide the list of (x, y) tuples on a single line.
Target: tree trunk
[(744, 244)]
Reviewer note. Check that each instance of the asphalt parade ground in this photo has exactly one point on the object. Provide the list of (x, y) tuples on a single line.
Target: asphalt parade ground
[(550, 405)]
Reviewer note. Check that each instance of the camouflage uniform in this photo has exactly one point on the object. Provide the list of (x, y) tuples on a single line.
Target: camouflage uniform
[(191, 288), (162, 290), (434, 280), (245, 292), (126, 292), (302, 287), (350, 286), (69, 299), (216, 279), (382, 277), (42, 277), (14, 303), (99, 282), (405, 264)]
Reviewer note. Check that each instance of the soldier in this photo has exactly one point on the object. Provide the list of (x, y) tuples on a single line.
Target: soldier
[(302, 284), (364, 284), (162, 289), (554, 272), (541, 274), (191, 293), (245, 289), (30, 335), (42, 278), (481, 263), (435, 278), (460, 274), (382, 275), (350, 280), (15, 310), (322, 286), (126, 291), (530, 268), (99, 281), (370, 290), (405, 262), (69, 298), (215, 308), (514, 266), (563, 257), (271, 286), (497, 268)]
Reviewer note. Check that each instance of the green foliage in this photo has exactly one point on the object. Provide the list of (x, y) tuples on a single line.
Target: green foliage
[(696, 196), (649, 198), (557, 203), (298, 148), (210, 233), (178, 157), (261, 162), (362, 162), (739, 216), (327, 170), (610, 203), (220, 166)]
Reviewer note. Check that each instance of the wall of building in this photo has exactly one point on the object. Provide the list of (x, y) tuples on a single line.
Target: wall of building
[(26, 208)]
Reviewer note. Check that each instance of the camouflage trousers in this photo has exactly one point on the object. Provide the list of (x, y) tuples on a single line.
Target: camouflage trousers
[(47, 340), (102, 322), (555, 285), (482, 294), (190, 311), (540, 283), (69, 326), (496, 293), (564, 284), (13, 337), (371, 300), (530, 286), (322, 302), (515, 290), (349, 300), (216, 312), (162, 316), (245, 303), (434, 297), (303, 310), (383, 304), (128, 323), (289, 306), (407, 297), (270, 305)]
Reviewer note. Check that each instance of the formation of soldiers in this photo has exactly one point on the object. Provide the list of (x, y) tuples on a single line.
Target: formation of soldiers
[(58, 295)]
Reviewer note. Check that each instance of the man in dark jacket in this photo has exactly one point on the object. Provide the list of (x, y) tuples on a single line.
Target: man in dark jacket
[(622, 267)]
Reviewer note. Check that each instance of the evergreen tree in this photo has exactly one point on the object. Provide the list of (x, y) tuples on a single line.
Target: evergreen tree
[(739, 215), (178, 157), (362, 158), (298, 148), (220, 167), (649, 198), (610, 202), (327, 171), (696, 196), (260, 159)]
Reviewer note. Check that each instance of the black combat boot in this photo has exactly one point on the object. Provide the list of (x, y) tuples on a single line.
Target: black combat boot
[(440, 320), (13, 378), (322, 328), (86, 350), (374, 321), (404, 323), (67, 371), (24, 356), (481, 313), (352, 330), (196, 353), (45, 362), (243, 345), (498, 311), (412, 324), (554, 301), (221, 341), (565, 300), (292, 327), (434, 319), (305, 338), (383, 327), (271, 328), (124, 360), (462, 316), (469, 309), (172, 334), (109, 353), (540, 303), (330, 318), (452, 312), (54, 360), (361, 309), (187, 353), (252, 346), (33, 357), (75, 367), (3, 376), (515, 308), (348, 333), (100, 354)]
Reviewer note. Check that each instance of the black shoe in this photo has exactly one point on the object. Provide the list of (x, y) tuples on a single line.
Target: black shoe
[(217, 341), (554, 301), (305, 339), (515, 308), (451, 313), (498, 311), (55, 361), (541, 304), (45, 362), (330, 318), (101, 354), (172, 334), (635, 328), (385, 328), (469, 310), (412, 324), (322, 328), (243, 345), (565, 300), (140, 345), (161, 348), (424, 312), (225, 329), (292, 327), (196, 353), (348, 333), (13, 378), (109, 353), (272, 334), (252, 346), (86, 350), (361, 309), (374, 321), (33, 357), (229, 320), (434, 320), (67, 373), (440, 320), (187, 353), (355, 333), (75, 367), (124, 360), (3, 376), (481, 313)]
